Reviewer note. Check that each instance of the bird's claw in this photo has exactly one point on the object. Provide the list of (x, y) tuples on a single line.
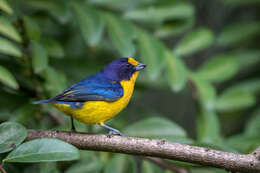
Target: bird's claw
[(115, 132)]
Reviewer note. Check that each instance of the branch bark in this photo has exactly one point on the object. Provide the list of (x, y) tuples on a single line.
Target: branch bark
[(249, 163), (2, 169)]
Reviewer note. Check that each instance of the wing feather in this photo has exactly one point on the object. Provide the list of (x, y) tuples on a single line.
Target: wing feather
[(93, 88)]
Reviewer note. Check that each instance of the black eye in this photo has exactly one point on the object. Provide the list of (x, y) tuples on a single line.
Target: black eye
[(128, 65)]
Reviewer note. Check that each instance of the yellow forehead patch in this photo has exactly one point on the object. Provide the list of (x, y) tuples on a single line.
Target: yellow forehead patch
[(132, 61)]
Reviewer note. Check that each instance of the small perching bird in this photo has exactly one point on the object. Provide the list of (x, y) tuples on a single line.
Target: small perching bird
[(101, 96)]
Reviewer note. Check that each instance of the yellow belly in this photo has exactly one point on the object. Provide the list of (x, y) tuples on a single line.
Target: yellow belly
[(95, 112)]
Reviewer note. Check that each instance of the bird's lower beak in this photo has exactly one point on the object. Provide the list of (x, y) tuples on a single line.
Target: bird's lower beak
[(140, 66)]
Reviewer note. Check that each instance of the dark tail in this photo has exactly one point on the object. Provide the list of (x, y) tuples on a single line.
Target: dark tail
[(41, 101)]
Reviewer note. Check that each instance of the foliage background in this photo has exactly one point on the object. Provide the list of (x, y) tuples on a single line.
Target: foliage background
[(202, 75)]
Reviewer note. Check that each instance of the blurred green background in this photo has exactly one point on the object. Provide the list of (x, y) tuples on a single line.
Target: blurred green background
[(200, 87)]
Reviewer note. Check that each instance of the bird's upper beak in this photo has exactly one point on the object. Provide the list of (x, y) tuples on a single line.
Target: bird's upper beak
[(140, 66)]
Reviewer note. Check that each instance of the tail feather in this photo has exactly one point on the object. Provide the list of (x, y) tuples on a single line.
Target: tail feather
[(41, 101)]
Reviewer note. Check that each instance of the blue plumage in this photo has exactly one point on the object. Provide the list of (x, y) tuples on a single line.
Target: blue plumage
[(104, 85), (95, 99), (95, 87)]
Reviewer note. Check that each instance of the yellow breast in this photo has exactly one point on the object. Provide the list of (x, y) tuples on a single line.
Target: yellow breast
[(95, 112)]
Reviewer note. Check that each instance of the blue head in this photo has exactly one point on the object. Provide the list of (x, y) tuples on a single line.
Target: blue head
[(122, 68)]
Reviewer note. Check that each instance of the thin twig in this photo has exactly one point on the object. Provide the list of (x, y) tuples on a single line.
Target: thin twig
[(2, 169), (155, 148)]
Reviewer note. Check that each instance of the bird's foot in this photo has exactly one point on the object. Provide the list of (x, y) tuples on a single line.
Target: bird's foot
[(112, 131), (115, 132), (73, 130)]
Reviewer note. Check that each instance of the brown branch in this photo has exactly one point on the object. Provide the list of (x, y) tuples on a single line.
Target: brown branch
[(256, 153), (166, 165), (2, 169), (156, 148)]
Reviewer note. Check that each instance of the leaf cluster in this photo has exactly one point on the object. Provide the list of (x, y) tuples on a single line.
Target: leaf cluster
[(46, 45)]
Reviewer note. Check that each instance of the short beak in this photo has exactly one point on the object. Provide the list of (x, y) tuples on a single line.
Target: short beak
[(140, 66)]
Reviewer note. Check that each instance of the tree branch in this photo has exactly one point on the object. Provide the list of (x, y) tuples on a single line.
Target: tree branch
[(256, 153), (2, 169), (156, 148)]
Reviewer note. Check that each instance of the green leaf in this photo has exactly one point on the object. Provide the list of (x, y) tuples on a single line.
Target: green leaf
[(53, 47), (55, 80), (32, 28), (153, 53), (244, 143), (120, 163), (239, 3), (121, 33), (119, 4), (219, 68), (176, 72), (8, 48), (156, 127), (86, 167), (89, 163), (207, 170), (234, 99), (194, 41), (43, 150), (235, 34), (247, 58), (149, 167), (58, 8), (251, 86), (39, 57), (174, 29), (116, 164), (8, 30), (49, 167), (5, 7), (160, 13), (90, 23), (7, 78), (24, 113), (206, 92), (253, 125), (11, 135), (208, 126)]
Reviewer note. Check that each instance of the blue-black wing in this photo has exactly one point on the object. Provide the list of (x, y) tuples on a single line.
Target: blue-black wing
[(93, 88)]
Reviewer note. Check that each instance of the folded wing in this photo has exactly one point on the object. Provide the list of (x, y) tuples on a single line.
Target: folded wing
[(93, 88)]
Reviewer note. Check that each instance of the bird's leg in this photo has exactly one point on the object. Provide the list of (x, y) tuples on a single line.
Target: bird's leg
[(73, 129), (112, 131)]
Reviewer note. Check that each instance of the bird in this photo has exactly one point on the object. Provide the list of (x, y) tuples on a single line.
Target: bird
[(101, 96)]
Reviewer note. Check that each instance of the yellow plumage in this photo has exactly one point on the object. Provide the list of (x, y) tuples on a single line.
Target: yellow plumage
[(97, 112)]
